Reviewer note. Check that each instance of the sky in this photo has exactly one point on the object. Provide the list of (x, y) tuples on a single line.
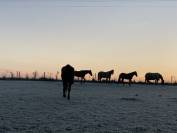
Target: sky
[(124, 35)]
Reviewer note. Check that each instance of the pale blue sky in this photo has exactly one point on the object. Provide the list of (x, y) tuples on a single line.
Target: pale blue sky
[(99, 35)]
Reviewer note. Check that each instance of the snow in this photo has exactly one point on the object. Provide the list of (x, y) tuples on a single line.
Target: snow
[(28, 106)]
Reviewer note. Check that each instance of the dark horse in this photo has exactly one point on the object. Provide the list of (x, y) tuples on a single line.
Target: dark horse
[(67, 75), (106, 75), (154, 76), (81, 74), (127, 76)]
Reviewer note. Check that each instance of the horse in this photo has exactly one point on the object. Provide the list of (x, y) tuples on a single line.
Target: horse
[(106, 75), (67, 74), (81, 74), (154, 76), (127, 76)]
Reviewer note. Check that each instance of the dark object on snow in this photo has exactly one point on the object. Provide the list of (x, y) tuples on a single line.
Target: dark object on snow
[(154, 76), (81, 74), (106, 75), (127, 76), (67, 75)]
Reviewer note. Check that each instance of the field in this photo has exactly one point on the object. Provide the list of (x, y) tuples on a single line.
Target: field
[(38, 107)]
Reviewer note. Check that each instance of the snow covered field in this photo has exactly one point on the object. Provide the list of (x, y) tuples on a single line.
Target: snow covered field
[(27, 107)]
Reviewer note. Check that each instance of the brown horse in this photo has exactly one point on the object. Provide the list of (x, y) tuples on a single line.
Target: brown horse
[(127, 76), (81, 74), (67, 74), (106, 75), (154, 76)]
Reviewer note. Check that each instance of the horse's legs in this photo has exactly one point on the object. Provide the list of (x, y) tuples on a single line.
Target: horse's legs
[(149, 82), (123, 81), (146, 81), (156, 81), (130, 81), (69, 90), (119, 80), (64, 89), (100, 80), (107, 80), (81, 80)]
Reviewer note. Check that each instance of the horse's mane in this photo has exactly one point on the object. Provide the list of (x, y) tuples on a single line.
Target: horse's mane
[(111, 71), (134, 72)]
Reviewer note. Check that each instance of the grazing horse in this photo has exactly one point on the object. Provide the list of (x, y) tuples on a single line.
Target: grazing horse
[(81, 74), (106, 75), (154, 76), (67, 74), (127, 76)]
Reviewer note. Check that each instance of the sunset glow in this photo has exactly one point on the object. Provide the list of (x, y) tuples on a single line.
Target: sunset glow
[(97, 35)]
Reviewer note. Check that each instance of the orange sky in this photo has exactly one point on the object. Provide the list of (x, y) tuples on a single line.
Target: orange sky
[(120, 35)]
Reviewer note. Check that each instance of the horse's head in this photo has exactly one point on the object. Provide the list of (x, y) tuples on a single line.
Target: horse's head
[(163, 81), (90, 72), (135, 73), (112, 71), (161, 77)]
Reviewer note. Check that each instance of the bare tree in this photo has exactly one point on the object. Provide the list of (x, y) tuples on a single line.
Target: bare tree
[(50, 75), (27, 76), (35, 75), (44, 75), (18, 74), (12, 75), (57, 75)]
